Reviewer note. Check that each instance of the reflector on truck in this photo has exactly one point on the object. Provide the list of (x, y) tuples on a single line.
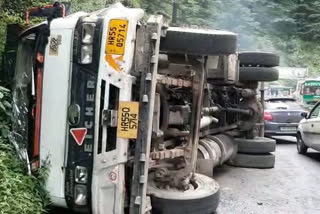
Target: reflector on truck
[(78, 135)]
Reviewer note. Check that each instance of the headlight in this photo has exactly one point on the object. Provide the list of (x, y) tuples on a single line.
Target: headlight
[(80, 195), (86, 54), (88, 32), (81, 175)]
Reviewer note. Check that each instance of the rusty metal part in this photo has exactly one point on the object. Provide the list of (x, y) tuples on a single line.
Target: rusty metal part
[(161, 172), (167, 154), (174, 132), (247, 112), (197, 97), (247, 92), (176, 70), (173, 81), (218, 130), (179, 115), (179, 179), (214, 151), (178, 58), (248, 123)]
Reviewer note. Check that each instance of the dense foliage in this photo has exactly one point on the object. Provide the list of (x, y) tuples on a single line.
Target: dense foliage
[(19, 192), (288, 27)]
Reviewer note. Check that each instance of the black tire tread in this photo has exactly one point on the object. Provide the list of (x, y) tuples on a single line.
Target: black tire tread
[(304, 148), (207, 205), (261, 161), (257, 145), (258, 74), (255, 58), (202, 201), (195, 41)]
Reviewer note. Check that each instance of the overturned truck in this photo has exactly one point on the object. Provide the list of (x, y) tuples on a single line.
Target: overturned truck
[(132, 117)]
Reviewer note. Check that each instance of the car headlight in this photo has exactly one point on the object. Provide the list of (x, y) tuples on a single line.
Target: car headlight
[(88, 32), (80, 195), (86, 54), (81, 175)]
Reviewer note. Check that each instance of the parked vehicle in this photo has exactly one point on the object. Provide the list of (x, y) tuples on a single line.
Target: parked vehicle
[(308, 135), (308, 92), (282, 116), (278, 91)]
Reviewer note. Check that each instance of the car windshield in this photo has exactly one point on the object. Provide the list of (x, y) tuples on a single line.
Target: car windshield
[(280, 92), (279, 104)]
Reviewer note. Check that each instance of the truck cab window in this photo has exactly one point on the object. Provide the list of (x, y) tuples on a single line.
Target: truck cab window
[(23, 91)]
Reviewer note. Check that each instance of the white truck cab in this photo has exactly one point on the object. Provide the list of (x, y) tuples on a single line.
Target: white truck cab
[(83, 72)]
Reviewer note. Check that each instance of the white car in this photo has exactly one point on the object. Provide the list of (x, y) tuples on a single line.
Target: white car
[(308, 135)]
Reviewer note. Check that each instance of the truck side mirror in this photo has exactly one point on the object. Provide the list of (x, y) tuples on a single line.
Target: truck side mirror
[(304, 114)]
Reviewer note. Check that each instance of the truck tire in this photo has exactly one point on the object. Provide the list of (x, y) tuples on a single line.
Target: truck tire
[(259, 161), (201, 200), (301, 147), (254, 58), (257, 145), (198, 42), (258, 74)]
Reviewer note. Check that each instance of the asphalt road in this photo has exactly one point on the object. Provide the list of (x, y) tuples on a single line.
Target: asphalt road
[(292, 187)]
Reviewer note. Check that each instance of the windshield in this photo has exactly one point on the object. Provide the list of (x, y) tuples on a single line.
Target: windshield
[(23, 91), (280, 92), (278, 104), (311, 88)]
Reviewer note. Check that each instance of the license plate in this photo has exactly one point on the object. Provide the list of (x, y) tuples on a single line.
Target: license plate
[(116, 38), (288, 129), (128, 116)]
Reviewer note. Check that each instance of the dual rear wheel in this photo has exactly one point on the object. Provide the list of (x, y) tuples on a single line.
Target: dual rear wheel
[(255, 153), (258, 66)]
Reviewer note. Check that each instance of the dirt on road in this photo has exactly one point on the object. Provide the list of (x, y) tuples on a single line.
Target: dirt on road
[(292, 187)]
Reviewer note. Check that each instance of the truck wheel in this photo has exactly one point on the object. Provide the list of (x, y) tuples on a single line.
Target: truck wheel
[(301, 147), (196, 41), (254, 58), (260, 161), (258, 74), (257, 145), (202, 199)]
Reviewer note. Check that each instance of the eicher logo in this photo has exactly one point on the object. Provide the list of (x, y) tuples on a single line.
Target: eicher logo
[(89, 115)]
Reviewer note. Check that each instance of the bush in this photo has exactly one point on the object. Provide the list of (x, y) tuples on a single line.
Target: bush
[(20, 193)]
